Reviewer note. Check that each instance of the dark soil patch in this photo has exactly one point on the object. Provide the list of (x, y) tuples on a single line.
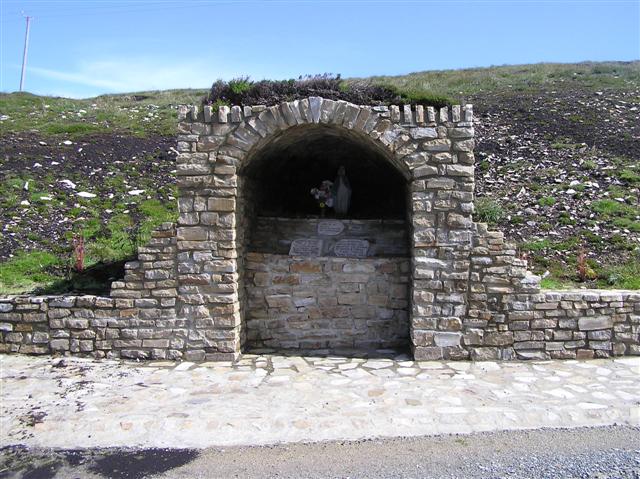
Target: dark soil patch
[(568, 147), (108, 166)]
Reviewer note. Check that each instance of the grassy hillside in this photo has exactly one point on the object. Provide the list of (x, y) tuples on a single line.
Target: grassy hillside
[(466, 83), (139, 114), (558, 155)]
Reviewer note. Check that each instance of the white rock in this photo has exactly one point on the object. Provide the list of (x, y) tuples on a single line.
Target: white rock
[(26, 186), (54, 163), (136, 192), (574, 183), (85, 194), (570, 191), (24, 203), (37, 165), (4, 117), (67, 142), (68, 184), (42, 143), (45, 198)]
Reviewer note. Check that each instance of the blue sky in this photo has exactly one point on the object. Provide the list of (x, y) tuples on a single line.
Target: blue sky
[(84, 48)]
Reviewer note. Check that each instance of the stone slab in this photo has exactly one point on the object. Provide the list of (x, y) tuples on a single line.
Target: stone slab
[(351, 248), (330, 227), (306, 247)]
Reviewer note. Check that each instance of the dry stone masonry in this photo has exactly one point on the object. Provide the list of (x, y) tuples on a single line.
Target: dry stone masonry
[(225, 279)]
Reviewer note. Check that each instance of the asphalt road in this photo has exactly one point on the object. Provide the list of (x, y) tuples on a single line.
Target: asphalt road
[(597, 453)]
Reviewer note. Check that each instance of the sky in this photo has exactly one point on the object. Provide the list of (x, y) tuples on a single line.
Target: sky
[(83, 48)]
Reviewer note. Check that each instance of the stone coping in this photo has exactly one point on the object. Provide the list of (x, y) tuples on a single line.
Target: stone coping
[(407, 114)]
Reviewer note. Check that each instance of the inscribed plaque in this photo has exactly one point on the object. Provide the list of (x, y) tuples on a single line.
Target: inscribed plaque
[(330, 227), (351, 248), (306, 247)]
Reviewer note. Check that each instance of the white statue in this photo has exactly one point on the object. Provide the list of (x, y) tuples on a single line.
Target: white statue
[(342, 192)]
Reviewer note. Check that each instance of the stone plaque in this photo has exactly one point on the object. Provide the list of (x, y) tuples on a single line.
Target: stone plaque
[(330, 227), (351, 248), (306, 247)]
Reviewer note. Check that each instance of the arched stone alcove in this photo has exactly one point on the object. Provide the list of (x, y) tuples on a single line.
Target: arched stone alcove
[(329, 299), (283, 171), (430, 150)]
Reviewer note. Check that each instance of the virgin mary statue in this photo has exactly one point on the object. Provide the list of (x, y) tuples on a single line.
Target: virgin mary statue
[(342, 193)]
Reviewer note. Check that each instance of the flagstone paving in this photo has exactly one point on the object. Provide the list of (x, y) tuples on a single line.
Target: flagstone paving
[(266, 399)]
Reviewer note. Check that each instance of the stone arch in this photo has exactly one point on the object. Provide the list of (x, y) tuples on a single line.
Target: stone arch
[(364, 123), (432, 148)]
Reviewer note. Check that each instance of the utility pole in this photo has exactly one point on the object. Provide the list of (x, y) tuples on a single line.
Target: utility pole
[(24, 54)]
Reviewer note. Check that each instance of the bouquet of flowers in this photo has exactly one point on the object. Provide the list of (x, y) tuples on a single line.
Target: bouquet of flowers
[(324, 195)]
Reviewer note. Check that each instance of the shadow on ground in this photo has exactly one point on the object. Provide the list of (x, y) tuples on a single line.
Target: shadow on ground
[(19, 462)]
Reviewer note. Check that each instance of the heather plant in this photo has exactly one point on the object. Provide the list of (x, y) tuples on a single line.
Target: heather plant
[(243, 91)]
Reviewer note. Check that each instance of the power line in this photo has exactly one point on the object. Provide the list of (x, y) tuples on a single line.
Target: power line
[(24, 54), (114, 9)]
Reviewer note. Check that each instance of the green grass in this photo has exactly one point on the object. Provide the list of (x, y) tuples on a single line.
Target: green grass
[(630, 176), (536, 245), (140, 114), (547, 201), (27, 270), (555, 283), (625, 276), (461, 83), (425, 98), (628, 224), (565, 219), (564, 274), (563, 145), (568, 244), (608, 209), (109, 243), (488, 211)]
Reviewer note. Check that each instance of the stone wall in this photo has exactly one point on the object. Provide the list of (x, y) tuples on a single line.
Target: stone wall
[(326, 302), (580, 324), (89, 325), (193, 291)]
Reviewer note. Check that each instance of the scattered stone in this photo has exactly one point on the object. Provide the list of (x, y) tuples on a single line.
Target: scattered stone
[(68, 184)]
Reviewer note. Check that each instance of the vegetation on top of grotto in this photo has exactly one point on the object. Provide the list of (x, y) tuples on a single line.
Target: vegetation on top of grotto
[(243, 91)]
